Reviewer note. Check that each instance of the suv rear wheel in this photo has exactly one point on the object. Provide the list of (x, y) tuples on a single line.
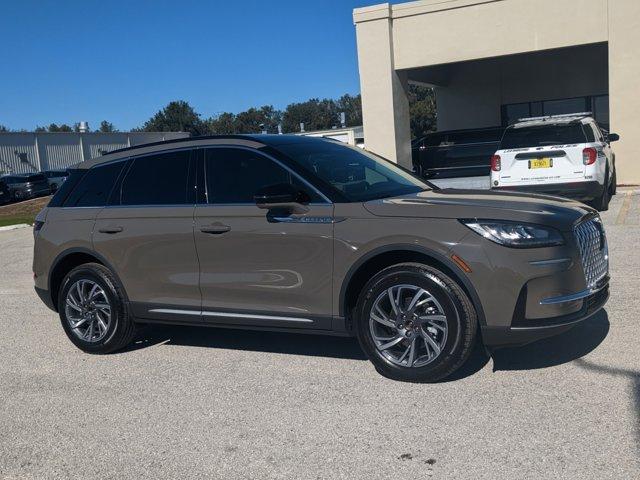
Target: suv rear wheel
[(93, 310), (415, 323)]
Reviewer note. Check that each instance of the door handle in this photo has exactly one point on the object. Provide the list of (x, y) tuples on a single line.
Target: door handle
[(110, 230), (215, 229)]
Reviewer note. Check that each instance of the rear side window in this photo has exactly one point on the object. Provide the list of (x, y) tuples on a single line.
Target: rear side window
[(157, 180), (36, 178), (94, 188), (73, 178), (542, 136)]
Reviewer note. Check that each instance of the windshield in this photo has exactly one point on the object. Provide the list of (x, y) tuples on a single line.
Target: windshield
[(542, 135), (359, 175)]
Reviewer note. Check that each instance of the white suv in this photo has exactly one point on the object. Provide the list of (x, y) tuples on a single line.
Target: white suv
[(566, 155)]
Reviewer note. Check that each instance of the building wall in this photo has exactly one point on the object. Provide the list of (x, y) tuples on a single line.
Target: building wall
[(624, 98), (432, 32), (24, 152)]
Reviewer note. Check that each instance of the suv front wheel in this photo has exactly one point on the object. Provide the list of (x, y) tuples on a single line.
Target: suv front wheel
[(415, 323), (93, 310)]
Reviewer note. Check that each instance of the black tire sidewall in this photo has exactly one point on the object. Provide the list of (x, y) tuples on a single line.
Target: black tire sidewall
[(436, 286), (117, 308)]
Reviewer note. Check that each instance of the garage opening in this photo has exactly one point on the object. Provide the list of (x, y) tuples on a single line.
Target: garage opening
[(477, 99)]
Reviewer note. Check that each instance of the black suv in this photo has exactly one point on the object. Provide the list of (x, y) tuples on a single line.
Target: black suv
[(455, 153), (26, 185), (5, 192)]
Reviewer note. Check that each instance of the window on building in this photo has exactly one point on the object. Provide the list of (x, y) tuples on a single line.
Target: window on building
[(157, 180), (598, 105)]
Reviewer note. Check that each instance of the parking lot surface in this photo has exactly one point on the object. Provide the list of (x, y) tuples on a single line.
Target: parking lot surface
[(210, 403)]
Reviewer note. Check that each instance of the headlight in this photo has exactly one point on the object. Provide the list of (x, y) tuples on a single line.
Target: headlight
[(516, 235)]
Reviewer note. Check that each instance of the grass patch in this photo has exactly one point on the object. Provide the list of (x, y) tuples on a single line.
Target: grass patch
[(22, 212)]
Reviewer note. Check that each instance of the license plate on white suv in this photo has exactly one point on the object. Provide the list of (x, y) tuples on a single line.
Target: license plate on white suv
[(541, 163)]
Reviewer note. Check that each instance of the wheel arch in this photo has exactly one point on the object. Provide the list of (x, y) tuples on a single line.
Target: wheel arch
[(382, 257), (70, 259)]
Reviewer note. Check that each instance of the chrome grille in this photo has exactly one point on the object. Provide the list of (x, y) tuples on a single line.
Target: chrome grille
[(593, 250)]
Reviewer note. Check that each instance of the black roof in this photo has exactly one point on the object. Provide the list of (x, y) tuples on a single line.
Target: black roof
[(265, 139)]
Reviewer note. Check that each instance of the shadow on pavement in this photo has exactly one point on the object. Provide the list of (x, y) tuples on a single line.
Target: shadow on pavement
[(632, 375), (257, 341), (566, 347)]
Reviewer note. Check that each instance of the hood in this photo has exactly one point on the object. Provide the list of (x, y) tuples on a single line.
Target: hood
[(560, 213)]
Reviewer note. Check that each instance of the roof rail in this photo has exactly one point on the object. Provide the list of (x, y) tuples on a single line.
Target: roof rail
[(550, 117)]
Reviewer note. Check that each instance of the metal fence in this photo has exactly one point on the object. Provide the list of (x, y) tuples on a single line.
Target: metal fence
[(26, 152)]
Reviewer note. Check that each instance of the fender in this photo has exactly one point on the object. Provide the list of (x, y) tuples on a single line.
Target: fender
[(458, 274), (62, 255)]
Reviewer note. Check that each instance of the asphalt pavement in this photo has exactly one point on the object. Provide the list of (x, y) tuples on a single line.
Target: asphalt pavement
[(210, 403)]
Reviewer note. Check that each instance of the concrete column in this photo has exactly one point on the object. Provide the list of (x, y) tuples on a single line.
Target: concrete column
[(385, 105), (624, 74)]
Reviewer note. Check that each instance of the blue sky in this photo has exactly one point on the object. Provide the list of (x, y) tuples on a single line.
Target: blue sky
[(122, 61)]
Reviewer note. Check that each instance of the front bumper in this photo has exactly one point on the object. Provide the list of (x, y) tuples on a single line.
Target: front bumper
[(523, 331), (573, 190)]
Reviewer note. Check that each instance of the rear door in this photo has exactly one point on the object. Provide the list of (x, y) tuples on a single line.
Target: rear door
[(543, 154), (146, 234), (258, 267)]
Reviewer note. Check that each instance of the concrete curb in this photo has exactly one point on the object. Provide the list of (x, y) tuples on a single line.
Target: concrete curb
[(14, 227)]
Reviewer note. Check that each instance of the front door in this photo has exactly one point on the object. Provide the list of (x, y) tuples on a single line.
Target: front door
[(257, 267)]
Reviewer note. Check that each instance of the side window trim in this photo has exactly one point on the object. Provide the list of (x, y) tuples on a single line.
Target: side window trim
[(268, 157)]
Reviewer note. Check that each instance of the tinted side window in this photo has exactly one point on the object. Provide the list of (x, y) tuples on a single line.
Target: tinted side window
[(235, 175), (157, 180), (94, 188)]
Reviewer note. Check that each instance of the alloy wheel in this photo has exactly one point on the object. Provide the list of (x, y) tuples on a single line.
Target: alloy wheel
[(408, 326), (88, 311)]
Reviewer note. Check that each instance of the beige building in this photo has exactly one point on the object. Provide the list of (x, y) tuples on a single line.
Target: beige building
[(493, 61)]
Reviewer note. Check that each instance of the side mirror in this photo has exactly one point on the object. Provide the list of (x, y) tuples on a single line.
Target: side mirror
[(282, 196), (613, 137)]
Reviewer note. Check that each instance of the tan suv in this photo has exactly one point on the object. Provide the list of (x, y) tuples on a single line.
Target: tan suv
[(308, 235)]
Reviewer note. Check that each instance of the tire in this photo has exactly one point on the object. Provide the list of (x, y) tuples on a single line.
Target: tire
[(108, 332), (614, 184), (454, 331), (602, 202)]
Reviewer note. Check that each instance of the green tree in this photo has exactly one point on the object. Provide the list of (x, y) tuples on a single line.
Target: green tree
[(351, 105), (255, 120), (3, 128), (177, 116), (222, 124), (422, 110), (316, 114), (53, 127), (106, 127)]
